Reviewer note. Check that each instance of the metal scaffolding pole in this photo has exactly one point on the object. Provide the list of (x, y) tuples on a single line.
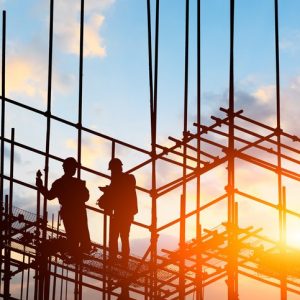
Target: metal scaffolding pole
[(199, 277), (184, 162), (282, 225), (232, 266), (153, 86), (3, 83), (181, 272)]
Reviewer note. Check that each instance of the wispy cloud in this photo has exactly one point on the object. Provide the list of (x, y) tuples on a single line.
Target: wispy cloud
[(290, 41), (27, 61), (93, 149), (67, 27), (26, 72)]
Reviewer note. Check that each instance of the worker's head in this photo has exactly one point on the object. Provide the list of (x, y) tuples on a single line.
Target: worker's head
[(70, 165), (115, 165)]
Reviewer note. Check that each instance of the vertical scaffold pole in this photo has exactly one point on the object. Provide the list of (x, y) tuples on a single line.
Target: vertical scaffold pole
[(9, 217), (231, 266), (185, 139), (78, 273), (43, 276), (199, 287), (48, 112), (3, 83), (80, 85), (6, 291), (153, 119), (283, 281)]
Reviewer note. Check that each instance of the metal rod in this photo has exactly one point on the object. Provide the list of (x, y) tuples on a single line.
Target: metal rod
[(3, 83), (28, 276), (199, 278), (55, 266), (78, 285), (6, 287), (283, 284), (43, 287), (22, 276), (184, 169), (153, 116), (232, 272)]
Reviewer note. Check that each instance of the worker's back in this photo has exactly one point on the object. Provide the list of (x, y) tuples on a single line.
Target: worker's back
[(71, 192), (124, 194)]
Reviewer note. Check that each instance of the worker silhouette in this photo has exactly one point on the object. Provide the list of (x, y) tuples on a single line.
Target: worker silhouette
[(122, 207), (72, 195)]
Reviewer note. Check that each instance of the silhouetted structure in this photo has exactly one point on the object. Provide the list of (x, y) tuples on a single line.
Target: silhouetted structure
[(222, 253), (72, 195), (121, 200)]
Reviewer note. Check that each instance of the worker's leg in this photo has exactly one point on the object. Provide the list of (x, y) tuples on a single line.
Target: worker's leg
[(113, 238), (85, 241), (124, 232), (71, 233)]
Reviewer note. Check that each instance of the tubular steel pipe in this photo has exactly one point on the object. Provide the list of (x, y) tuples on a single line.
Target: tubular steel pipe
[(184, 169), (283, 283), (3, 83), (153, 118), (199, 276), (232, 268)]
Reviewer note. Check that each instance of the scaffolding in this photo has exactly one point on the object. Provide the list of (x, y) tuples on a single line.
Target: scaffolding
[(222, 253)]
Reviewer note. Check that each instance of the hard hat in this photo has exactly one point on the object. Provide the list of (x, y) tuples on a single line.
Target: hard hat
[(70, 162), (115, 162)]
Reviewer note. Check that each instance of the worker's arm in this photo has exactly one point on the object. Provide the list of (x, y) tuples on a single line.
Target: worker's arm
[(49, 194)]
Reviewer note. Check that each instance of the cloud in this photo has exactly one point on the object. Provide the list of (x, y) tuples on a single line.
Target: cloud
[(27, 62), (27, 72), (264, 105), (67, 27), (290, 41), (265, 94), (92, 150)]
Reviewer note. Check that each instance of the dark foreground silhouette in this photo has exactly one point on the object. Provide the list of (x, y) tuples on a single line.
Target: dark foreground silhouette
[(72, 195), (120, 201)]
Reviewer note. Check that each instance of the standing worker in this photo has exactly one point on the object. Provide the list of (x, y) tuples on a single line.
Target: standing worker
[(123, 207), (72, 195)]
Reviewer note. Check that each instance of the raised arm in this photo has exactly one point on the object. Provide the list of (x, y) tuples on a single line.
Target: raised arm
[(49, 194)]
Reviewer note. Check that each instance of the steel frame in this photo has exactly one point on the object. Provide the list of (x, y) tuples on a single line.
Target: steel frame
[(222, 253)]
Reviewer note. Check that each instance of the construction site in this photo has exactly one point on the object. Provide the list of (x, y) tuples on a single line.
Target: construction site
[(220, 255)]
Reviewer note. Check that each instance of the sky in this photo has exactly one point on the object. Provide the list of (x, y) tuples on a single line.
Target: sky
[(116, 99)]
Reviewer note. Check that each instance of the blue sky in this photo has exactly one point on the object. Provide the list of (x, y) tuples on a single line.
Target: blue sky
[(116, 88)]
